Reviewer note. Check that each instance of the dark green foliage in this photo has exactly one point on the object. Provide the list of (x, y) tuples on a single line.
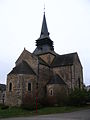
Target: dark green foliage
[(48, 101), (78, 97), (88, 96), (51, 101), (62, 99), (3, 107)]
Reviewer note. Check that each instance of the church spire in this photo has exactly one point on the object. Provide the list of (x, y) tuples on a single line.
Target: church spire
[(44, 29), (44, 43)]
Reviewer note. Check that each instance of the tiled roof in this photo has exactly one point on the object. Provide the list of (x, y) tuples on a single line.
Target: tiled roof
[(63, 60), (22, 68), (2, 87), (56, 79)]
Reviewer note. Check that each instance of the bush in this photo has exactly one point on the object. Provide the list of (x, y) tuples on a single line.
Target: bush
[(28, 102), (62, 99), (3, 106), (78, 97), (48, 101), (88, 96)]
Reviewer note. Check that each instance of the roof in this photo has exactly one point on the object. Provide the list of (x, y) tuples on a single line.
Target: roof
[(24, 54), (63, 60), (44, 43), (22, 68), (44, 30), (2, 87), (56, 79)]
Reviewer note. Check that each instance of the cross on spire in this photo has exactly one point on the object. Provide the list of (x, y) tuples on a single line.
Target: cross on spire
[(44, 8)]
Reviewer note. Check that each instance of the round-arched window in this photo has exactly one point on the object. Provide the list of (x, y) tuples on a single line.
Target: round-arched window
[(10, 87)]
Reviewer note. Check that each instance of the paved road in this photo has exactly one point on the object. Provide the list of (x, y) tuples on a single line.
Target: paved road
[(79, 115)]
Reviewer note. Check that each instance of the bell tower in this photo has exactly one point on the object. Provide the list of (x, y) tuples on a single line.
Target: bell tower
[(44, 44)]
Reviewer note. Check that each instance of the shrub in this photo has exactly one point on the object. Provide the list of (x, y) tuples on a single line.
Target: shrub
[(48, 101), (78, 97), (28, 102), (3, 107)]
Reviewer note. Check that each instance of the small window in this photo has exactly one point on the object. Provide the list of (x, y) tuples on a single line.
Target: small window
[(79, 85), (51, 92), (10, 86), (29, 86)]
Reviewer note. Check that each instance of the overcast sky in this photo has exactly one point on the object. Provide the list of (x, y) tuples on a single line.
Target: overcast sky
[(20, 25)]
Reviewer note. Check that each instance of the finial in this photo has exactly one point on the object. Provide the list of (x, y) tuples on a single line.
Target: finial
[(44, 8), (24, 48)]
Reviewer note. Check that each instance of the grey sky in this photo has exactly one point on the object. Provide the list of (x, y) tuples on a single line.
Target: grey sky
[(20, 24)]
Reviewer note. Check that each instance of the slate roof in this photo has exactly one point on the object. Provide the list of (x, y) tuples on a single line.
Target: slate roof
[(56, 79), (63, 60), (22, 68), (2, 87), (44, 30), (44, 43)]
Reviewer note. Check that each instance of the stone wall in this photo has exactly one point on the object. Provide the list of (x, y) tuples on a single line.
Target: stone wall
[(14, 97), (44, 75), (65, 74), (2, 97), (71, 74), (78, 73), (57, 89)]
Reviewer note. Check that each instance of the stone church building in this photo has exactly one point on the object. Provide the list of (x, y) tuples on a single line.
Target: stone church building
[(43, 71)]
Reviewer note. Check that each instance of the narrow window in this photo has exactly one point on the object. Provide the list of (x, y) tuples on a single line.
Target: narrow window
[(10, 86), (51, 92), (79, 83), (29, 86)]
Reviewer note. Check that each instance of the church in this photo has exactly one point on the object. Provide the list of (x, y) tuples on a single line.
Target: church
[(44, 71)]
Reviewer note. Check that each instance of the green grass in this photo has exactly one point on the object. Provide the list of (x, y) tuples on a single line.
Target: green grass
[(17, 112)]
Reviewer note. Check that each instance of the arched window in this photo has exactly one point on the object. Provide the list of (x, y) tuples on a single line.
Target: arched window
[(10, 86), (79, 84), (29, 86), (51, 92)]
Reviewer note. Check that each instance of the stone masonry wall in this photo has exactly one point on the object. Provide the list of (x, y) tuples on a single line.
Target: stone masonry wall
[(19, 88), (65, 74), (57, 89), (78, 72)]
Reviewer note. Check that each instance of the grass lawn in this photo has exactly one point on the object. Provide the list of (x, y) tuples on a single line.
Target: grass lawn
[(17, 112)]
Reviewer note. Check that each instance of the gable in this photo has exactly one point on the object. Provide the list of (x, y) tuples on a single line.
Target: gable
[(30, 58), (48, 57)]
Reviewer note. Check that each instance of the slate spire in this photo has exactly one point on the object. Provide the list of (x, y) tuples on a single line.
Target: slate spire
[(44, 43), (44, 29)]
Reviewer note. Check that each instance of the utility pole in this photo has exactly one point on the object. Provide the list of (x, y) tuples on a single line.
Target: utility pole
[(37, 84)]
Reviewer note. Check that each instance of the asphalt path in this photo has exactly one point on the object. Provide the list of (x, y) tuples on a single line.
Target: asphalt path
[(78, 115)]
